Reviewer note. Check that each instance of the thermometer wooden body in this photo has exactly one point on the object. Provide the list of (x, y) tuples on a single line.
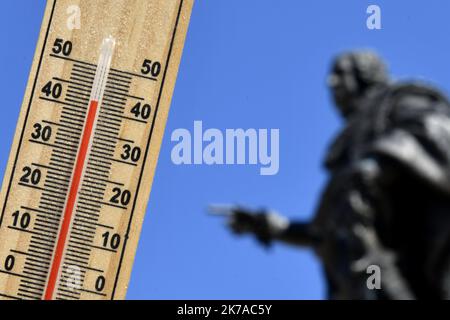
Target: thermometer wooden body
[(87, 141)]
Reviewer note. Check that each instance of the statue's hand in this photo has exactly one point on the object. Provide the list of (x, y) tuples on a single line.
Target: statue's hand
[(241, 221), (265, 226)]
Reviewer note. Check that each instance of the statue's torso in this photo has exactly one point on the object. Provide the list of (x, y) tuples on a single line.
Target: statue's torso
[(422, 115)]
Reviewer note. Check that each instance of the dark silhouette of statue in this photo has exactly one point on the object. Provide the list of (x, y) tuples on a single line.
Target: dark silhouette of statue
[(387, 200)]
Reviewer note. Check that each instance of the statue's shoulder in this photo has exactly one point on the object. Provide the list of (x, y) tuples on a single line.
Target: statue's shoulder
[(416, 95)]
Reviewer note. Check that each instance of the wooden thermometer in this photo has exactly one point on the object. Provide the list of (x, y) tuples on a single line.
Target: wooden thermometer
[(87, 141)]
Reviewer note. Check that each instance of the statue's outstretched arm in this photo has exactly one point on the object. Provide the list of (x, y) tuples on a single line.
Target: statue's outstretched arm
[(267, 226)]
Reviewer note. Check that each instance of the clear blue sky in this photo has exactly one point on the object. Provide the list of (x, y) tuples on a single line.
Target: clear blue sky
[(246, 64)]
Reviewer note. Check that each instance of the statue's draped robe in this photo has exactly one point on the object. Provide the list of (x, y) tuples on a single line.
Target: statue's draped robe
[(405, 129)]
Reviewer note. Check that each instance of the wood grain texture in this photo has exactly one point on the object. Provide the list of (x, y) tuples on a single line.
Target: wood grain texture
[(152, 30)]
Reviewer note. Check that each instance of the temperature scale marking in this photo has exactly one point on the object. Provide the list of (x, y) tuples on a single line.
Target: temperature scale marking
[(98, 89), (86, 146)]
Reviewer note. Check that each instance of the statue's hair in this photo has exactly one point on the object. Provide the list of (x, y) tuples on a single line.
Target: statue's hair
[(368, 67)]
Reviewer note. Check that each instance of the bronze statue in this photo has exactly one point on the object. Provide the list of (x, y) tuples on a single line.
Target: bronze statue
[(387, 201)]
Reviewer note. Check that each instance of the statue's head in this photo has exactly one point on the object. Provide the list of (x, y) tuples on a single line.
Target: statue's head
[(352, 75)]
